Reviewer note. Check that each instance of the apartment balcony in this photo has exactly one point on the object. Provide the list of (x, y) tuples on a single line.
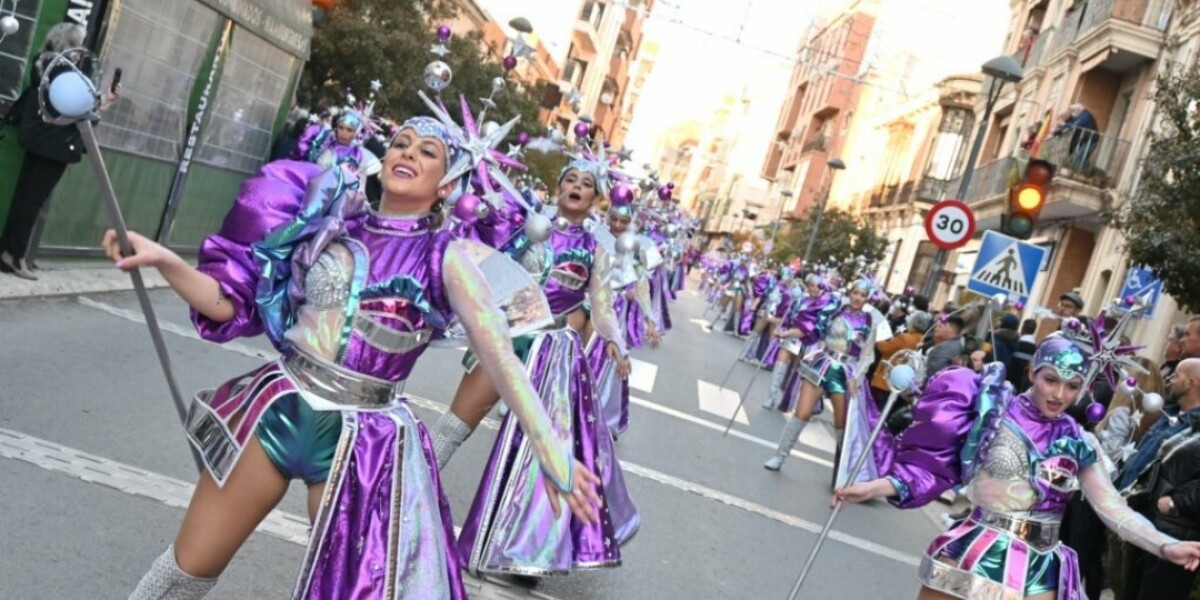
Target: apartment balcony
[(1089, 166), (1118, 35), (1032, 57), (819, 143), (584, 34)]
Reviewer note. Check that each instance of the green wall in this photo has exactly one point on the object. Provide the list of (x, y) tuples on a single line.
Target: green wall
[(78, 216)]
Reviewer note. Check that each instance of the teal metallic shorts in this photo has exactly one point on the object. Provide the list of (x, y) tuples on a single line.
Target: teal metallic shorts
[(300, 441), (826, 373)]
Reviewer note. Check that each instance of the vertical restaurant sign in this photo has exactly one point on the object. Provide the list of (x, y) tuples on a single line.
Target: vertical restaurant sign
[(189, 146), (90, 14)]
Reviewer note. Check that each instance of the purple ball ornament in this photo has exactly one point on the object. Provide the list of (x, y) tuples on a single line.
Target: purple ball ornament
[(510, 62), (582, 129), (467, 207), (1130, 384), (443, 32), (1095, 412), (522, 138), (1130, 300), (670, 185), (621, 195), (1073, 324), (664, 193), (1020, 305), (909, 291)]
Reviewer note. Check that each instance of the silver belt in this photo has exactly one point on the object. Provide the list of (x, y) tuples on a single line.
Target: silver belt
[(341, 386), (387, 339), (1040, 534)]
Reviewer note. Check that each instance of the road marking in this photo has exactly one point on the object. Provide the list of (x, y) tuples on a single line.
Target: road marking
[(180, 330), (642, 375), (741, 435), (177, 494), (703, 324), (721, 402), (639, 470)]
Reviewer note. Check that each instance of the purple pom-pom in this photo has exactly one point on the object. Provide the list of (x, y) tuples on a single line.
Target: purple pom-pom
[(443, 32), (466, 208), (621, 195), (1095, 412)]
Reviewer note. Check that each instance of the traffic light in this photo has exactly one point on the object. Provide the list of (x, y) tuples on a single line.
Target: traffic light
[(1026, 199)]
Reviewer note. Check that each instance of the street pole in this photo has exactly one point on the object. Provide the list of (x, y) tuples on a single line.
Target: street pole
[(835, 164), (784, 195), (1003, 70)]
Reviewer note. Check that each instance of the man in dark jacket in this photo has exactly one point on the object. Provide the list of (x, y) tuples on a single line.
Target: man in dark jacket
[(1005, 341), (1173, 485)]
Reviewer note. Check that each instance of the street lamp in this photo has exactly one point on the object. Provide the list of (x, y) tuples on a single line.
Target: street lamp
[(834, 164), (779, 217), (1002, 69)]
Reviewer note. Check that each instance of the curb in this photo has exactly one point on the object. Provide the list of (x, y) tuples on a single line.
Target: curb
[(74, 281)]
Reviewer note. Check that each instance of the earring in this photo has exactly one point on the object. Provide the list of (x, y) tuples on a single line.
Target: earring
[(437, 206)]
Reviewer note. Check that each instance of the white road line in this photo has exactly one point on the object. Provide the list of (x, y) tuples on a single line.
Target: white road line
[(642, 375), (732, 432), (180, 330), (720, 402), (703, 324), (663, 478), (177, 494)]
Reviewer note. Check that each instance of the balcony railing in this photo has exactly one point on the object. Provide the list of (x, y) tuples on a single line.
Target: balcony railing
[(1032, 57), (817, 144), (1086, 156), (988, 181), (1068, 30)]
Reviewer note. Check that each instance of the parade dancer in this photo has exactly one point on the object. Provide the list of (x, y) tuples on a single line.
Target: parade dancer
[(351, 298), (534, 538), (767, 298), (632, 306), (1020, 458), (341, 142), (792, 335), (837, 369)]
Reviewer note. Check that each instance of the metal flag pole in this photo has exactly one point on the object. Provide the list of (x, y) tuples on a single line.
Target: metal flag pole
[(71, 90), (837, 507), (745, 391), (733, 367)]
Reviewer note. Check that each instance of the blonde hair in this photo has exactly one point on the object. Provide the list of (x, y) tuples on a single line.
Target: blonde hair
[(1149, 382), (64, 36)]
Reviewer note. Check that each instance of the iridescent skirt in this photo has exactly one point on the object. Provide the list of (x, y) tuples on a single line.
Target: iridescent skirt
[(383, 529)]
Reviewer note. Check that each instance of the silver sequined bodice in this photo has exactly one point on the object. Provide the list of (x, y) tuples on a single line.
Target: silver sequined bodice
[(1007, 457), (327, 283)]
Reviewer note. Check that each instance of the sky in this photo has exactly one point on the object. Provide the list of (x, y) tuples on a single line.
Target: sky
[(699, 63)]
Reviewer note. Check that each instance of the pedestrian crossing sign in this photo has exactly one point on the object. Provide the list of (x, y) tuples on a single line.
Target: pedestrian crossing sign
[(1006, 266), (1140, 283)]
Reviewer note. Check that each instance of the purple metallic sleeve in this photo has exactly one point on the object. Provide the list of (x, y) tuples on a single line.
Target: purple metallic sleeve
[(264, 202), (926, 457)]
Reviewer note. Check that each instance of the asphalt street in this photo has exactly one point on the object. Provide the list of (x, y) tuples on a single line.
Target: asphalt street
[(95, 469)]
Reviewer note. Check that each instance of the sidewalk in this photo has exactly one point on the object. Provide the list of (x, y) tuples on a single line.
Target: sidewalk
[(72, 276)]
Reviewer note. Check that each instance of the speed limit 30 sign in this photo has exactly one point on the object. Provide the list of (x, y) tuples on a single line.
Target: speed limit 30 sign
[(950, 224)]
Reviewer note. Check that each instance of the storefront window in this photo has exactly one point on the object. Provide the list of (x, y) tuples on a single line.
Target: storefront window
[(14, 52), (253, 86), (159, 46)]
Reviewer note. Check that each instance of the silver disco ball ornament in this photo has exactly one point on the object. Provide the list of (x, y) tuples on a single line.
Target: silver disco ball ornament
[(538, 227), (627, 243), (9, 25), (438, 75), (498, 84), (561, 223)]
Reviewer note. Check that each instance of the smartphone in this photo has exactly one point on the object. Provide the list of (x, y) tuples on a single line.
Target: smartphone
[(116, 80)]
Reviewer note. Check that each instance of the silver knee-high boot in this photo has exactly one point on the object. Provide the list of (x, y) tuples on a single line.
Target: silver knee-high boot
[(787, 440), (166, 581), (778, 376), (448, 434)]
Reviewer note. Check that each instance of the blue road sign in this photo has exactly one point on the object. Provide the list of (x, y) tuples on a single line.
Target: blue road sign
[(1006, 266), (1140, 283)]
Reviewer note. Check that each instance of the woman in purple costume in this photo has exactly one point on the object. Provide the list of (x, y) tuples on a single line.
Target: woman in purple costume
[(799, 306), (847, 331), (1019, 458), (328, 146), (351, 297), (511, 528), (631, 303)]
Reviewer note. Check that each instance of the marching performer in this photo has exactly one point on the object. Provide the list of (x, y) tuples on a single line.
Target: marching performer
[(535, 538), (837, 369), (802, 307), (341, 142), (1019, 458), (631, 303), (351, 297)]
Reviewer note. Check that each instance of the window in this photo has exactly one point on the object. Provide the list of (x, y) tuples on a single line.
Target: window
[(160, 46), (253, 85)]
